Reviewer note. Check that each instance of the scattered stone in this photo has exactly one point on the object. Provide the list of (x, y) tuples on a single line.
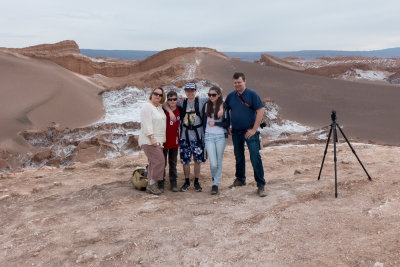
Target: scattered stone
[(57, 183), (4, 197), (102, 164), (87, 256), (4, 164), (297, 171), (42, 155)]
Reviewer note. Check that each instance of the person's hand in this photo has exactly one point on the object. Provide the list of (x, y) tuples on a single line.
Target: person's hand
[(211, 123), (153, 141), (250, 133), (172, 116), (230, 131)]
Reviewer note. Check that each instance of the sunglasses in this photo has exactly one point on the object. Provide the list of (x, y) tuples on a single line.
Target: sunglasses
[(212, 95), (157, 94), (172, 99)]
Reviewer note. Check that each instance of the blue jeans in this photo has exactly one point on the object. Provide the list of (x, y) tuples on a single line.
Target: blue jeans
[(215, 146), (253, 144)]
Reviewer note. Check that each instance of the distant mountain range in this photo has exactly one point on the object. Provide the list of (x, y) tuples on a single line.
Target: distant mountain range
[(251, 56)]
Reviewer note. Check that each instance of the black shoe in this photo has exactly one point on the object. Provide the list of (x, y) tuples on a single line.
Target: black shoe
[(160, 185), (237, 183), (214, 190), (174, 186), (185, 186), (197, 186)]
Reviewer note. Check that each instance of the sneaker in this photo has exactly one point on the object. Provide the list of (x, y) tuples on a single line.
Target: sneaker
[(237, 182), (214, 190), (261, 191), (153, 189), (185, 186), (174, 186), (160, 185), (197, 186)]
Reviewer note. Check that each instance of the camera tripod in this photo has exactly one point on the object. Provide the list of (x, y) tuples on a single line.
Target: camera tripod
[(335, 125)]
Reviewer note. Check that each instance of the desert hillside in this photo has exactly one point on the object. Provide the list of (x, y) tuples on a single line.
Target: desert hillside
[(49, 92), (88, 214)]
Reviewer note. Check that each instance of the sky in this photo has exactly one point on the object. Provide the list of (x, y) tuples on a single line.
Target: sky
[(242, 26)]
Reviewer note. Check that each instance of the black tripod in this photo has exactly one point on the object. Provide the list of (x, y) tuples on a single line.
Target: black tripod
[(335, 139)]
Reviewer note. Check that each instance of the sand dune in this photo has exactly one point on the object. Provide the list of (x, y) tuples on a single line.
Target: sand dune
[(369, 111), (35, 93)]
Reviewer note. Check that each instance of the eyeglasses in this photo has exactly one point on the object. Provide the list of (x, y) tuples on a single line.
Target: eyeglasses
[(157, 94), (172, 99), (212, 95)]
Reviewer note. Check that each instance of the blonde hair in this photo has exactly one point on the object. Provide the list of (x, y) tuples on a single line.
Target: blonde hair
[(163, 94)]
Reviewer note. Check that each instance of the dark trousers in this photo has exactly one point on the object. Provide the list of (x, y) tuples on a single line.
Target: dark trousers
[(172, 156), (253, 144)]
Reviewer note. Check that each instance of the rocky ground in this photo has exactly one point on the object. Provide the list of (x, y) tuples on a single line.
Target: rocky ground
[(88, 214)]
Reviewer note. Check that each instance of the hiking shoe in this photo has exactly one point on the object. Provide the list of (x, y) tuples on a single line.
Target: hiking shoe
[(214, 190), (237, 182), (197, 186), (153, 189), (174, 186), (261, 191), (160, 185), (185, 186)]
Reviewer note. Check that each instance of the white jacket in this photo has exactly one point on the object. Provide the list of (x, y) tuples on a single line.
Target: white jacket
[(153, 122)]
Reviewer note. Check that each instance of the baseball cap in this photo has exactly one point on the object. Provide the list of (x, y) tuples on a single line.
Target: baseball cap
[(190, 86)]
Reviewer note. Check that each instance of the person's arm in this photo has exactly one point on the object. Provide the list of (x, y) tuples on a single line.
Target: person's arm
[(147, 124), (170, 112), (226, 119), (259, 117)]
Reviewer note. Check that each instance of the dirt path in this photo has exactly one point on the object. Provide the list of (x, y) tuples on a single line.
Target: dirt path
[(89, 215)]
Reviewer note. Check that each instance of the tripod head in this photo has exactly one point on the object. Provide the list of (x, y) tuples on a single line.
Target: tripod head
[(333, 116)]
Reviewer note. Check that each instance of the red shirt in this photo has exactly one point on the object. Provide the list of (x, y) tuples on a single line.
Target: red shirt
[(172, 133)]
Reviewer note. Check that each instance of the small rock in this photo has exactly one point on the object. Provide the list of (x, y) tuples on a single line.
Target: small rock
[(378, 264), (85, 257), (297, 172), (57, 183), (196, 244), (4, 197)]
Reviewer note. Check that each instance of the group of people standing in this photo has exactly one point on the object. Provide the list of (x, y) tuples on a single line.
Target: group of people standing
[(199, 126)]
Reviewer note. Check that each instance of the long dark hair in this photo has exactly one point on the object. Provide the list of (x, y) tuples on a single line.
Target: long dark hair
[(210, 106)]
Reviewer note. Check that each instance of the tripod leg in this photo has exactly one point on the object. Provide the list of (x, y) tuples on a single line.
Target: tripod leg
[(326, 148), (334, 156), (354, 152)]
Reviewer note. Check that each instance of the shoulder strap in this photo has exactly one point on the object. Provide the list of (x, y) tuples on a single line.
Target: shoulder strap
[(196, 107), (184, 106), (244, 102)]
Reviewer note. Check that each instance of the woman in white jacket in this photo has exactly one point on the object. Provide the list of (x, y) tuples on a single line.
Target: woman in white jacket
[(151, 138)]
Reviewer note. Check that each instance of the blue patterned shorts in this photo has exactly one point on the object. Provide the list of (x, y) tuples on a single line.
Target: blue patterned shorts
[(196, 148)]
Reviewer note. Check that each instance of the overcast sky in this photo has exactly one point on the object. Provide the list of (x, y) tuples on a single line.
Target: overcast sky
[(245, 25)]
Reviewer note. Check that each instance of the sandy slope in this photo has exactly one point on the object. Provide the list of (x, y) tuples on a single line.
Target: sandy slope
[(88, 214), (368, 111), (34, 93)]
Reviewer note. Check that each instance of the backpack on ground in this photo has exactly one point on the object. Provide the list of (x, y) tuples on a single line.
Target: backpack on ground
[(139, 178)]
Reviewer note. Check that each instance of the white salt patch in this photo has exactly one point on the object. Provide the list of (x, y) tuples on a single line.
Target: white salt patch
[(124, 105), (371, 75), (97, 59), (277, 131)]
